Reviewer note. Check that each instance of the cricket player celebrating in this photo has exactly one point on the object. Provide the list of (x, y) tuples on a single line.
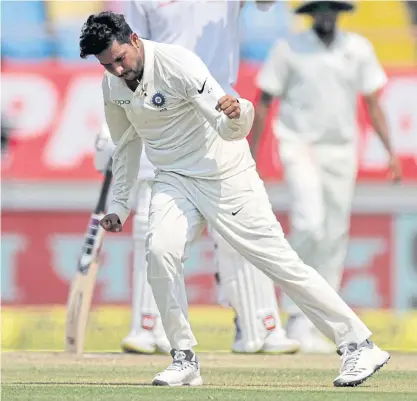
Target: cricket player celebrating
[(211, 29), (317, 74), (164, 98)]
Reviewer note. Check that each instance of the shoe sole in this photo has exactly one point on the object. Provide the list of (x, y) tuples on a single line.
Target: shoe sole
[(134, 350), (198, 381), (160, 351), (318, 352), (288, 351), (359, 382)]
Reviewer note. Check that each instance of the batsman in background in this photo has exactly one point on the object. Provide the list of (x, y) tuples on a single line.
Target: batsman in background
[(317, 75), (211, 29), (147, 334)]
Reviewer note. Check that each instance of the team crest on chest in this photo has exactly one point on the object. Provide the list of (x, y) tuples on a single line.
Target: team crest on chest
[(158, 99)]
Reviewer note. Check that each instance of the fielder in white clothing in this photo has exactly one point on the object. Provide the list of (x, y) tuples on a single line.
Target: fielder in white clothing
[(164, 98), (211, 30), (317, 75)]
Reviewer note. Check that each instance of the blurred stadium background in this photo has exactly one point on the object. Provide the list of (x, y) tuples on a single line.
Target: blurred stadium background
[(51, 109)]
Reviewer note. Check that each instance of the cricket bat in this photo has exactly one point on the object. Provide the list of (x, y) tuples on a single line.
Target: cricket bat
[(82, 286)]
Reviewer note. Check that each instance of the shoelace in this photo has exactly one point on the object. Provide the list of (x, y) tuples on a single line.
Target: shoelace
[(178, 364), (349, 360)]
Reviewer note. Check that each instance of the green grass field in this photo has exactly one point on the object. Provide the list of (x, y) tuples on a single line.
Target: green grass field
[(117, 377)]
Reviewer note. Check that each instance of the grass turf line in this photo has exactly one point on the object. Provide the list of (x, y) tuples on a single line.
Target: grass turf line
[(117, 377)]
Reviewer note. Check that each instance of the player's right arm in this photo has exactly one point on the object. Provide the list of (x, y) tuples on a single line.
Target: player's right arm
[(126, 159), (271, 81)]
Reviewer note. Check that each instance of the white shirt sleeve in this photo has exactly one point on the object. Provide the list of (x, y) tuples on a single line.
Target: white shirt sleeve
[(126, 156), (137, 17), (372, 76), (205, 92), (272, 77)]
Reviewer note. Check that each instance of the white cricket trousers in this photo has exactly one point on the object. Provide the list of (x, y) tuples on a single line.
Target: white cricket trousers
[(321, 182), (249, 291), (239, 209)]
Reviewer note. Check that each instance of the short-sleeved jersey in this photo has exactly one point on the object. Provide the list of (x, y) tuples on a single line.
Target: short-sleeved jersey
[(318, 85)]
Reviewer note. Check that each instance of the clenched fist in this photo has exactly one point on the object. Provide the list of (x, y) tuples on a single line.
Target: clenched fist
[(229, 105), (111, 223)]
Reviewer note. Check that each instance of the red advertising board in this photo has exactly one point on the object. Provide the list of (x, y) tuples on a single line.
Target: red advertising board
[(56, 111), (40, 252)]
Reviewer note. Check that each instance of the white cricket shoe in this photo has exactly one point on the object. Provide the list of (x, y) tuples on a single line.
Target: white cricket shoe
[(359, 363), (162, 345), (241, 347), (183, 371), (144, 342), (275, 343), (311, 341), (279, 343), (316, 343)]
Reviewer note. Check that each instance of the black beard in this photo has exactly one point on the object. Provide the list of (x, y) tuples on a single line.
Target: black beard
[(140, 68), (323, 32)]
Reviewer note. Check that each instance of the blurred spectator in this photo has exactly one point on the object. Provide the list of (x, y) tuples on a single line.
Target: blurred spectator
[(31, 24), (5, 126), (412, 7), (65, 19), (5, 135), (260, 30)]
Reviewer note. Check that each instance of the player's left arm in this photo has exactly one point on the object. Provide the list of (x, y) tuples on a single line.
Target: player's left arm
[(371, 80), (379, 122), (231, 117)]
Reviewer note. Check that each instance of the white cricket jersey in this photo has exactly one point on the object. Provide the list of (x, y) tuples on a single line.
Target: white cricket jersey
[(318, 86), (173, 112), (210, 28), (146, 170)]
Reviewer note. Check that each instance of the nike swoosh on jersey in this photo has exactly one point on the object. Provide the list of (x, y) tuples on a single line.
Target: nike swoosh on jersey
[(237, 211), (202, 89)]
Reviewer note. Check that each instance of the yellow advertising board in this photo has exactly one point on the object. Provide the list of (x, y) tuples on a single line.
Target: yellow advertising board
[(30, 328)]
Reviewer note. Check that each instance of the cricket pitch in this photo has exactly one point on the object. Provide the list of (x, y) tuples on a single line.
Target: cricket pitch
[(37, 376)]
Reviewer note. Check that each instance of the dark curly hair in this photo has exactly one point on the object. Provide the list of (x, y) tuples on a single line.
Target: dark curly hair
[(100, 30)]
